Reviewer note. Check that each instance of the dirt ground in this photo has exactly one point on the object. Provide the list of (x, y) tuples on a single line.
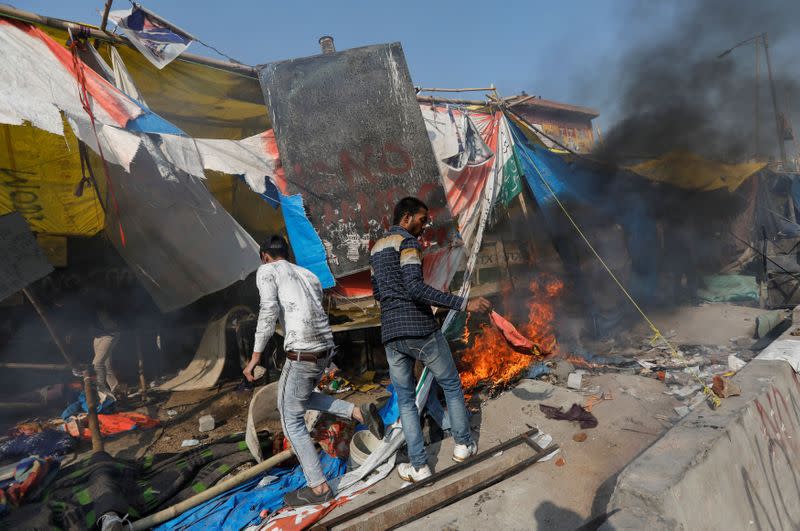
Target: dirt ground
[(545, 496)]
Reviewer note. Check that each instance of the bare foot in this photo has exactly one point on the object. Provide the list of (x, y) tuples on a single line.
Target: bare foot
[(357, 415)]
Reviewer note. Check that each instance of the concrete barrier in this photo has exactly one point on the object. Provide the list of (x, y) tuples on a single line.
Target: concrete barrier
[(734, 468)]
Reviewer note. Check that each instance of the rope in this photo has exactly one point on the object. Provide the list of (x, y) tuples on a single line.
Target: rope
[(657, 335), (80, 74)]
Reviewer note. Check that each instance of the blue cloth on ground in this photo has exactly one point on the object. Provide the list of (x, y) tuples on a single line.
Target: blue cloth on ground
[(79, 406), (45, 443), (306, 244), (242, 505)]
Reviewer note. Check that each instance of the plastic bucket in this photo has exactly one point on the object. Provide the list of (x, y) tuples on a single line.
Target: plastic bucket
[(361, 446)]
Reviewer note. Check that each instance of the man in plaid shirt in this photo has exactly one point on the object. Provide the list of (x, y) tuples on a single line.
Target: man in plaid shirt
[(409, 332)]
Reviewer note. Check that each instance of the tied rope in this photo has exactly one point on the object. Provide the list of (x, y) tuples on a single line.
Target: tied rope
[(657, 335), (80, 74)]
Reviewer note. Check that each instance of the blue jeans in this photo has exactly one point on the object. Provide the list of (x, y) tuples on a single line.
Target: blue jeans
[(434, 352), (295, 396)]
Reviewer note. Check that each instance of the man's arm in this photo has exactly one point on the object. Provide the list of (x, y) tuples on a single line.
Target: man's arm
[(411, 267), (376, 292), (267, 317)]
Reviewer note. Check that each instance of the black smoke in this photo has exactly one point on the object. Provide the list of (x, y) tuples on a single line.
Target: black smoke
[(673, 92)]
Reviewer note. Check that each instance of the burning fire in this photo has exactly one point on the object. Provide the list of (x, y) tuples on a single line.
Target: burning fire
[(491, 360)]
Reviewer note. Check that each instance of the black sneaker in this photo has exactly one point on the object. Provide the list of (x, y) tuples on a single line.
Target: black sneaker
[(306, 496), (372, 420)]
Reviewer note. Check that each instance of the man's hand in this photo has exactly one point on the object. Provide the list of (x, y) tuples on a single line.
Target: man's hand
[(479, 304), (248, 371)]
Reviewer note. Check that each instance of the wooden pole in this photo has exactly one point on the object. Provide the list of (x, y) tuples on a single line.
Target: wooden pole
[(36, 366), (479, 89), (50, 329), (91, 406), (142, 382), (105, 15)]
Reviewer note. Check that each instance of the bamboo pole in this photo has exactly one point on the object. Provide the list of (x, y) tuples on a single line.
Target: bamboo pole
[(36, 366), (171, 512), (142, 382), (105, 15), (40, 310), (82, 29), (91, 406), (480, 89)]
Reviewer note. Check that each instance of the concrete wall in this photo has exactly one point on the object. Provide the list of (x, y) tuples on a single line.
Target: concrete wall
[(733, 468)]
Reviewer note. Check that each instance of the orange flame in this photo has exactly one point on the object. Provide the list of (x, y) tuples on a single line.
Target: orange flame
[(491, 360)]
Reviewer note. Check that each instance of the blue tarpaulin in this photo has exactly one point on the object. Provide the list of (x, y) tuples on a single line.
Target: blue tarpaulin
[(593, 196), (306, 244), (241, 506)]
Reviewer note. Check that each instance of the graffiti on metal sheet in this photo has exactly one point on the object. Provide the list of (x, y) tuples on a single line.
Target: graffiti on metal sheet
[(352, 142)]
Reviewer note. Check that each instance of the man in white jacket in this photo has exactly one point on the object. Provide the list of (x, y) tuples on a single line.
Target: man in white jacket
[(293, 294)]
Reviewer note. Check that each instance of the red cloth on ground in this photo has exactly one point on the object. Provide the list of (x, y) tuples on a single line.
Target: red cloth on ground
[(510, 333), (116, 423)]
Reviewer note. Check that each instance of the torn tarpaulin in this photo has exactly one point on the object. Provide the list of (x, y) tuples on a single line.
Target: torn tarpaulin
[(512, 335), (576, 413)]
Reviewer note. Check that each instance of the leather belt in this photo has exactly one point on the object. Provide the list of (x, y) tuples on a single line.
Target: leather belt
[(312, 357)]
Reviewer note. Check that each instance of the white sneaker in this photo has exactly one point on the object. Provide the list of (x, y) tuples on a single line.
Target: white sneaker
[(463, 452), (407, 472)]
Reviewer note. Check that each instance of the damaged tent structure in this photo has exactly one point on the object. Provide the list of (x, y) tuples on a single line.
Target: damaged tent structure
[(95, 138)]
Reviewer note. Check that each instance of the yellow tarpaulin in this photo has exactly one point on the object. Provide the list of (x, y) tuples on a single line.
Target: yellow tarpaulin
[(692, 172), (39, 172)]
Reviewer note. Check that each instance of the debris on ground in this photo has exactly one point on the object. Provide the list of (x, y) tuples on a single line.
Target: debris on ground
[(206, 423), (576, 413), (579, 437)]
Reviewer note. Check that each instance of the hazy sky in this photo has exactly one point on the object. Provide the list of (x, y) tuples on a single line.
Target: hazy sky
[(567, 51)]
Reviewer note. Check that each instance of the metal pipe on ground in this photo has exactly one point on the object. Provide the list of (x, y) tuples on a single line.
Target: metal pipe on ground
[(171, 512)]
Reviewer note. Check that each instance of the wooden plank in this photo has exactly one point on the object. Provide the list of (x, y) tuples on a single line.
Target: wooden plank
[(443, 493)]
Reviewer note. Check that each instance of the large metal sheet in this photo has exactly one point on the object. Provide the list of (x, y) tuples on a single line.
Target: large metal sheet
[(22, 259), (352, 141)]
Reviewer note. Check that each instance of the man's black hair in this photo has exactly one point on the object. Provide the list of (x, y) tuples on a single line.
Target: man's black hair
[(276, 246), (407, 205)]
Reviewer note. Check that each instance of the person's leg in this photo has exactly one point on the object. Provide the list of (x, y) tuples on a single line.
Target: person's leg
[(295, 386), (102, 354), (401, 372), (435, 409), (111, 378), (437, 357), (324, 402)]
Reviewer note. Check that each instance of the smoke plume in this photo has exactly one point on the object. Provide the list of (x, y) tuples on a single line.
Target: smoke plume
[(675, 93)]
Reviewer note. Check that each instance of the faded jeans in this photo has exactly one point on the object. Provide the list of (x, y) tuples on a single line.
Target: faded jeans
[(103, 349), (295, 396), (434, 352)]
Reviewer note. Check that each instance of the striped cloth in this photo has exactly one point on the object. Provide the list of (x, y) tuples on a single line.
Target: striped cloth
[(397, 284)]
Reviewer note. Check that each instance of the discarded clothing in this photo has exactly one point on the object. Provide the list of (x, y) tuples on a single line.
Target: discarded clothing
[(511, 334), (84, 491), (31, 476), (106, 406), (115, 424), (241, 506), (45, 443), (576, 413), (333, 436)]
